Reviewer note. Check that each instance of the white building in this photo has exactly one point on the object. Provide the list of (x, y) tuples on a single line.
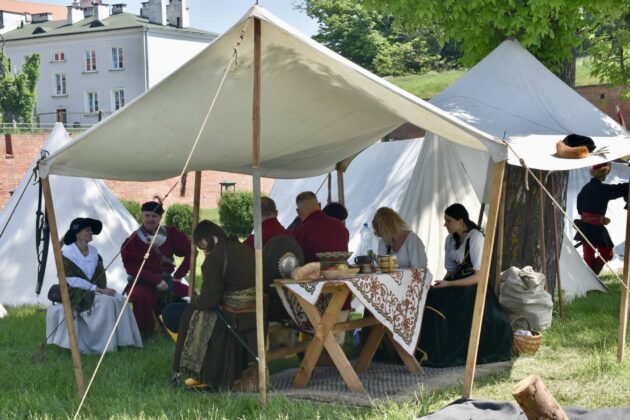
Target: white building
[(101, 57)]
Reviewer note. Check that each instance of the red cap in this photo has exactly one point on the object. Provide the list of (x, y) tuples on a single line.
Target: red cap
[(601, 165)]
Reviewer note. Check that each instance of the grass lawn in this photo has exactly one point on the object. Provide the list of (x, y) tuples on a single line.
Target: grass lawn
[(576, 361), (427, 85)]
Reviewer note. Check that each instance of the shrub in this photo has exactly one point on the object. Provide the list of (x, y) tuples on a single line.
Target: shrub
[(180, 216), (133, 207), (235, 213)]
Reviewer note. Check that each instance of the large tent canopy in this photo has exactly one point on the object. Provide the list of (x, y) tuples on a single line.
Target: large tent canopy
[(316, 109)]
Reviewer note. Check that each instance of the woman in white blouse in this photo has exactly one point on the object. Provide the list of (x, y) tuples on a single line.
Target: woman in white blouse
[(397, 239), (95, 305), (446, 326)]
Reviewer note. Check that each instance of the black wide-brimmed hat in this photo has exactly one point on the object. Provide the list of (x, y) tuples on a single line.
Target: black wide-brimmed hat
[(153, 206), (77, 225)]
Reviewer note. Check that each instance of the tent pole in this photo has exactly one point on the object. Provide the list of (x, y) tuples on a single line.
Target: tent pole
[(557, 251), (543, 247), (482, 286), (500, 233), (481, 210), (195, 222), (329, 180), (625, 294), (63, 286), (341, 194), (260, 320)]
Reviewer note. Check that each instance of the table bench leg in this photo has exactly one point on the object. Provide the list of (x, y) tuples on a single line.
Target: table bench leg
[(410, 362), (369, 349)]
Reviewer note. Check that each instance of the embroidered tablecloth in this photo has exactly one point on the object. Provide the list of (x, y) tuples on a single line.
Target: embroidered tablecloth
[(395, 299)]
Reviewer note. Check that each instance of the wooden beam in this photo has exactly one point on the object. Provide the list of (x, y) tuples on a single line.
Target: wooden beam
[(260, 319), (63, 286), (556, 244), (625, 295), (543, 231), (482, 287), (195, 222), (500, 233)]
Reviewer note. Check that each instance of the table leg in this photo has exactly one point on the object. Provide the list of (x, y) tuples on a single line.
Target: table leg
[(371, 344), (410, 362)]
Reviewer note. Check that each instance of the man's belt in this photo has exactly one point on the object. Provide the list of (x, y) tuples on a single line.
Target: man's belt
[(594, 218)]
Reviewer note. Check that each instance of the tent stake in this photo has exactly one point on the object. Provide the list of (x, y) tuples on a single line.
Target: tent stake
[(260, 320), (557, 251), (482, 287), (195, 222), (63, 286), (625, 294)]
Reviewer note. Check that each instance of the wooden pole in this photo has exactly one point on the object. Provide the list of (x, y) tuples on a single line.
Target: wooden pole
[(195, 222), (543, 247), (556, 244), (500, 233), (63, 286), (329, 180), (625, 295), (480, 217), (482, 286), (536, 400), (260, 320), (341, 195)]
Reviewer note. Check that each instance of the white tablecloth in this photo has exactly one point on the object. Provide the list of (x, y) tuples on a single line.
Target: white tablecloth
[(396, 299)]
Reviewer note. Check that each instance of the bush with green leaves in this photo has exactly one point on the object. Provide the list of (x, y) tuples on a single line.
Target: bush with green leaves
[(180, 216), (235, 212), (133, 207)]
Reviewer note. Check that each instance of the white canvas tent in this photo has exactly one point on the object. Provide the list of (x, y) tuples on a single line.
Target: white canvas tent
[(76, 197), (316, 108)]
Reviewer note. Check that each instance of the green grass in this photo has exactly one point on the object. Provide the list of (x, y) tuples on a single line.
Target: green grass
[(576, 361), (427, 85)]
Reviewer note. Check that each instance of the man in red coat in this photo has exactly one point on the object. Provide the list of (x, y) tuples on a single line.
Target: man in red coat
[(318, 232), (156, 283), (270, 225)]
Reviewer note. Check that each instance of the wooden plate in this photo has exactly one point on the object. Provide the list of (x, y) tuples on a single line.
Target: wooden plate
[(340, 274)]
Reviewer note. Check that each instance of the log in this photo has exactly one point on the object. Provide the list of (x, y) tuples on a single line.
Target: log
[(536, 400)]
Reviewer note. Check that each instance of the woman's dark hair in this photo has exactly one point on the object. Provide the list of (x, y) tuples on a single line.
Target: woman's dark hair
[(205, 230), (459, 212)]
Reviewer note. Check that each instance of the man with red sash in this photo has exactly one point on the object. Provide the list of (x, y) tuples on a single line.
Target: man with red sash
[(592, 203), (157, 283), (270, 225)]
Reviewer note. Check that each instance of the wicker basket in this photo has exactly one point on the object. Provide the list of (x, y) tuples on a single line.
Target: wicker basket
[(524, 344)]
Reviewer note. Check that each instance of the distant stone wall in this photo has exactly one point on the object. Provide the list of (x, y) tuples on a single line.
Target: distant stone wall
[(606, 99), (27, 146)]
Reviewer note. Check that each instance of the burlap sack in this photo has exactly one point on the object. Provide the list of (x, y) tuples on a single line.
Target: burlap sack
[(523, 294)]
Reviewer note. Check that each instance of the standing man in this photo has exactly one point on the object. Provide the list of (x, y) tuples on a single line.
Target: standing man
[(270, 225), (157, 284), (318, 232), (592, 203)]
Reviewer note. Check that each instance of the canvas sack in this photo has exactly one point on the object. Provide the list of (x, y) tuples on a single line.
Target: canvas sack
[(523, 294)]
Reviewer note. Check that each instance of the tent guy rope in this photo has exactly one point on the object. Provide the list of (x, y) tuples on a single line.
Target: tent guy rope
[(146, 256)]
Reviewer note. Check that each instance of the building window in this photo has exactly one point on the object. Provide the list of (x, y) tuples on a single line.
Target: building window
[(60, 84), (117, 59), (90, 60), (59, 56), (118, 99), (91, 102)]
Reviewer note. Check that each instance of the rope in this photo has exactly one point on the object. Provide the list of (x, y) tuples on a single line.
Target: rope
[(566, 216), (146, 256)]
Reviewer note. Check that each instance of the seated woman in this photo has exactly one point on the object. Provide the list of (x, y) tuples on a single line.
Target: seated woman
[(207, 353), (96, 306), (397, 239), (450, 302)]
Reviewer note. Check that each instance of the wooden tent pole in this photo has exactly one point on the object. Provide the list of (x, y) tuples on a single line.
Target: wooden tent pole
[(480, 217), (195, 222), (500, 233), (625, 295), (341, 195), (260, 320), (543, 232), (482, 286), (63, 286), (556, 244)]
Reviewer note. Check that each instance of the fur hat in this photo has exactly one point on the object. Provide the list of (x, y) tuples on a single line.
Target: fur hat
[(77, 225)]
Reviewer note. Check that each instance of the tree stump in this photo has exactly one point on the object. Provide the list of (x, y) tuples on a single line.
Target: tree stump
[(536, 400)]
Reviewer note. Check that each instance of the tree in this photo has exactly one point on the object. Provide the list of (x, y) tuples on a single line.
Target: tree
[(610, 44), (371, 40), (17, 91)]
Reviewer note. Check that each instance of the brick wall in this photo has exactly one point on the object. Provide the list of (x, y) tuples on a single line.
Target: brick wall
[(606, 99), (26, 147)]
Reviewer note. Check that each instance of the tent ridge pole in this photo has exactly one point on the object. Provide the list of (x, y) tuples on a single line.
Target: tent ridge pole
[(482, 286), (63, 286)]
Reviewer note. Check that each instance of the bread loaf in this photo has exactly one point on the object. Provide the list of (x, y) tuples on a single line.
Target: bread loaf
[(310, 271)]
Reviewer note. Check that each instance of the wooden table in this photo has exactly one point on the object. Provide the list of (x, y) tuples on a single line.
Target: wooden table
[(325, 326)]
